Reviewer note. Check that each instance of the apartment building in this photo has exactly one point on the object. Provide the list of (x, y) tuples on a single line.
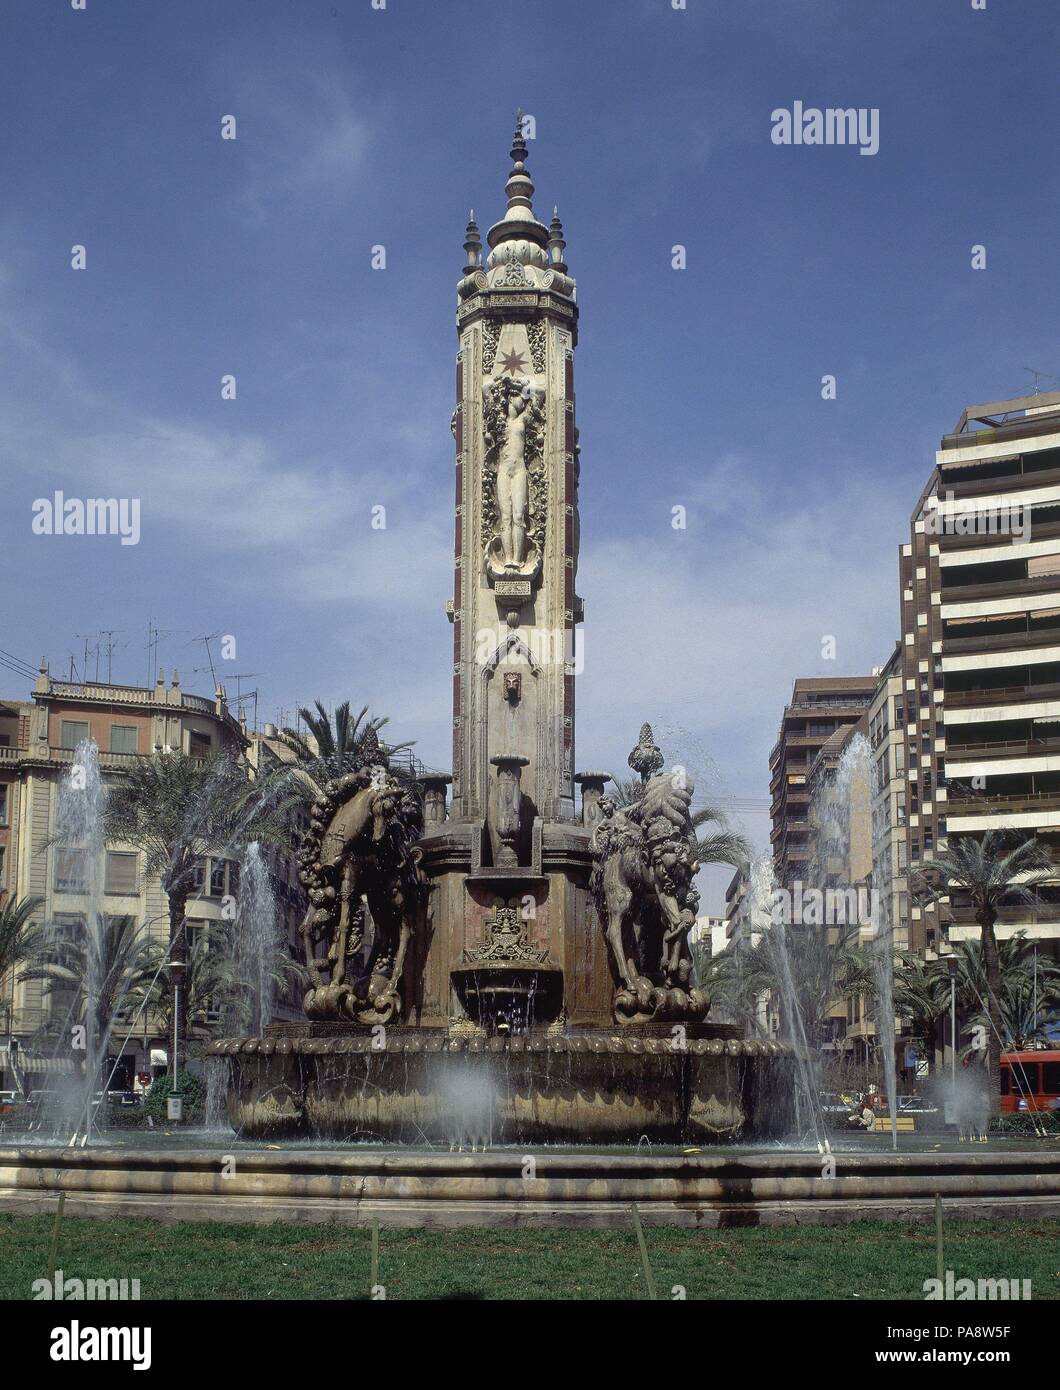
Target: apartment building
[(980, 707), (819, 708), (37, 742)]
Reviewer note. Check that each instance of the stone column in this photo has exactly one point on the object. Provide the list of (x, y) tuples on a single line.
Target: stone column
[(434, 794), (505, 827), (592, 788)]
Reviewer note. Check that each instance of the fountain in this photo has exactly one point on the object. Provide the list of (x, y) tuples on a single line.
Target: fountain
[(505, 943), (490, 961), (837, 804), (257, 938)]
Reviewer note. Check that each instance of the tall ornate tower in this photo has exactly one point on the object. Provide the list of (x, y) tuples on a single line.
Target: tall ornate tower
[(514, 941), (514, 608)]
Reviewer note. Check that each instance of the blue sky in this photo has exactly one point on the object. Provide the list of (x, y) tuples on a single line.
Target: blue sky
[(698, 388)]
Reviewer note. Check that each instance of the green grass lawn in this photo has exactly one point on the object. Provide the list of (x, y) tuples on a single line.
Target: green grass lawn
[(869, 1260)]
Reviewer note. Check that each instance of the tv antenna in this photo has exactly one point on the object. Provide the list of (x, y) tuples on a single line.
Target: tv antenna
[(1039, 377), (249, 695), (210, 637), (154, 636)]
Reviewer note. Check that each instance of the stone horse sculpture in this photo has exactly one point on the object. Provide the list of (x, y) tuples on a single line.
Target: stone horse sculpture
[(359, 866), (644, 866)]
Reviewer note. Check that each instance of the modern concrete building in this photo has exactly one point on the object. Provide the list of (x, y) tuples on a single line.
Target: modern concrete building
[(819, 708), (980, 710)]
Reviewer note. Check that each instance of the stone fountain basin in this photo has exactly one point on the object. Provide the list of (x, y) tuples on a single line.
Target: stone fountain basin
[(589, 1087)]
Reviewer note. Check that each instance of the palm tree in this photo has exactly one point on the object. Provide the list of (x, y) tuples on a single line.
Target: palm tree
[(15, 931), (216, 995), (821, 966), (1000, 866), (916, 996), (1029, 993), (734, 985), (337, 744), (108, 968), (722, 845), (177, 810)]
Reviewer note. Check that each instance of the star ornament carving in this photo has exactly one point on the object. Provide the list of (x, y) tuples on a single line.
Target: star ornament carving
[(513, 362)]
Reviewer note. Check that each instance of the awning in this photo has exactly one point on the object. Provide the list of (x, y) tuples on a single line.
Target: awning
[(39, 1066)]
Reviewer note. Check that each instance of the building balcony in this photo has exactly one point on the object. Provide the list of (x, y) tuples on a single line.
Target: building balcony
[(1041, 914), (1000, 588), (957, 803), (1003, 695), (1003, 642), (968, 752), (953, 545)]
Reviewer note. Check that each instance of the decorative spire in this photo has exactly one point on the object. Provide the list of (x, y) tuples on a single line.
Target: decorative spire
[(646, 758), (472, 245), (518, 150), (519, 223), (519, 188), (556, 244)]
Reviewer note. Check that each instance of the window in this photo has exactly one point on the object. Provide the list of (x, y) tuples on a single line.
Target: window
[(5, 740), (218, 886), (1051, 1078), (121, 874), (59, 993), (123, 738), (71, 871), (3, 804), (199, 745), (2, 853), (72, 732), (198, 875)]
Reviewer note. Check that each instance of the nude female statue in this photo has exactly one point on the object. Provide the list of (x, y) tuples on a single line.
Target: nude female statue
[(512, 483)]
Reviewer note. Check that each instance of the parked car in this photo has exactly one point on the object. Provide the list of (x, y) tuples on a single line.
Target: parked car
[(916, 1105)]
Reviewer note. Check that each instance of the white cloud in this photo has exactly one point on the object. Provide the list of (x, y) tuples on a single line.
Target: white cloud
[(301, 136)]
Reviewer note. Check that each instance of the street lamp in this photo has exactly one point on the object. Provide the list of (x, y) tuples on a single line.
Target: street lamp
[(177, 967), (951, 967)]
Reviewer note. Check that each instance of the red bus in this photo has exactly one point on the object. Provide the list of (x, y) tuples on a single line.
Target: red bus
[(1030, 1081)]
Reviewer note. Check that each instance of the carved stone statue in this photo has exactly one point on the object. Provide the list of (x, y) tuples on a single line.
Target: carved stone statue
[(643, 880), (513, 424), (360, 868)]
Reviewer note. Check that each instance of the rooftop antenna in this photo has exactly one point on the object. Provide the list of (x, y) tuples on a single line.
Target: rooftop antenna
[(108, 633), (1039, 377), (250, 694), (210, 637), (154, 634), (87, 640)]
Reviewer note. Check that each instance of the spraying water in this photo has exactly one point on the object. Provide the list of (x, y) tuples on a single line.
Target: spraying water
[(79, 827), (853, 794), (257, 938), (809, 1118)]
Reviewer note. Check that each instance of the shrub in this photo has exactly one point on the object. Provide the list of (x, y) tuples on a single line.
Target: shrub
[(191, 1087)]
